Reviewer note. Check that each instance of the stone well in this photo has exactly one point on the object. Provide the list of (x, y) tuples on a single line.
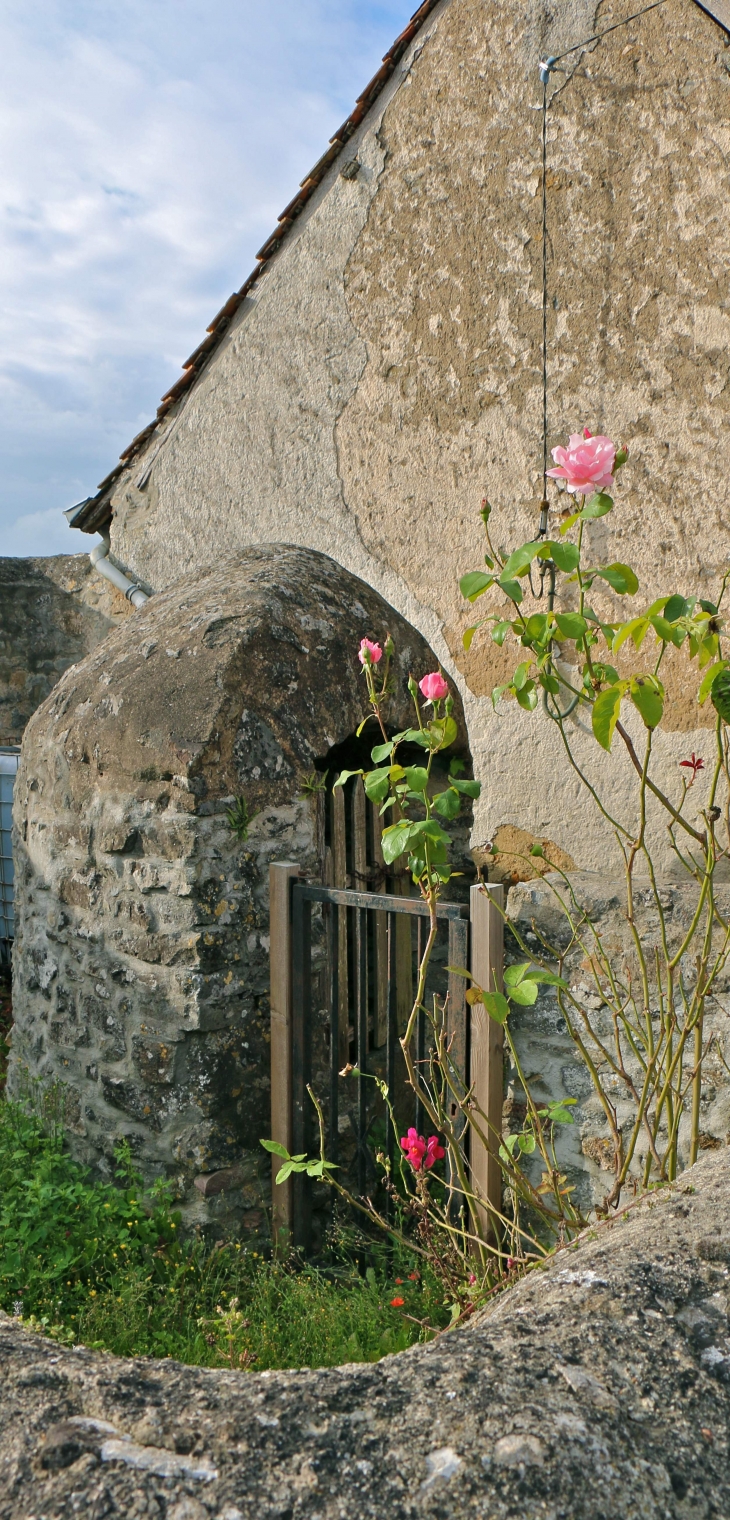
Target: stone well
[(141, 959)]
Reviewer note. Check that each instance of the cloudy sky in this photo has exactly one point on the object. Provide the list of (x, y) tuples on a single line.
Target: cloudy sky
[(146, 149)]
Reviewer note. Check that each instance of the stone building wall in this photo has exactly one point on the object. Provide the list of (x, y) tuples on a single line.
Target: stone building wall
[(546, 1052), (53, 612), (142, 954), (384, 373)]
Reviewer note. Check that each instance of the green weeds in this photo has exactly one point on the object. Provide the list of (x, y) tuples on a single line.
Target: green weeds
[(104, 1265)]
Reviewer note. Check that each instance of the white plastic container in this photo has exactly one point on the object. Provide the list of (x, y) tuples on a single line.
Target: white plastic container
[(9, 759)]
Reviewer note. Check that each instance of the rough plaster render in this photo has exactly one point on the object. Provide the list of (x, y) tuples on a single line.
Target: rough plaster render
[(384, 372)]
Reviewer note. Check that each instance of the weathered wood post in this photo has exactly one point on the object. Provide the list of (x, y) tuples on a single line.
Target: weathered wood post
[(281, 874), (487, 1044)]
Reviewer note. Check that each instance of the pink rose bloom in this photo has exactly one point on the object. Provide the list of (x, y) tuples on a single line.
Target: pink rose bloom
[(369, 653), (586, 465), (434, 687)]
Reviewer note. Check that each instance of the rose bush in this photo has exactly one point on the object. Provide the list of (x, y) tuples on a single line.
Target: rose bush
[(643, 1045)]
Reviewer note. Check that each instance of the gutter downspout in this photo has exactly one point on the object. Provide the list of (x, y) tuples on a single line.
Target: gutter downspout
[(100, 561)]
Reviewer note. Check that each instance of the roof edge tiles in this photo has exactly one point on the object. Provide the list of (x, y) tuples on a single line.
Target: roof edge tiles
[(95, 513)]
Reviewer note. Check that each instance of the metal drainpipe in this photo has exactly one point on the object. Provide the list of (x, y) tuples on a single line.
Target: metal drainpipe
[(100, 561)]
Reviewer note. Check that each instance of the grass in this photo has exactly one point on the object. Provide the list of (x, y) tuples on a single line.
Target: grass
[(101, 1265)]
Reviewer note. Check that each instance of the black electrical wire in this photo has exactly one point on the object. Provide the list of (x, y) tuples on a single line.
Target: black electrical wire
[(546, 67), (598, 35)]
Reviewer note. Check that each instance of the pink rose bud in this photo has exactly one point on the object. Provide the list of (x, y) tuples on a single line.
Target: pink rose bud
[(434, 687), (586, 465), (369, 653)]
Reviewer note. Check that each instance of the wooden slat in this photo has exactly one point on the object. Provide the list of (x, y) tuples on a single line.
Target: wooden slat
[(457, 1006), (403, 961), (381, 940), (280, 876), (339, 872), (360, 865), (359, 837), (486, 1046)]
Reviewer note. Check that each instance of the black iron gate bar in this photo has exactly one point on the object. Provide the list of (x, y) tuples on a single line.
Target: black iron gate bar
[(334, 900)]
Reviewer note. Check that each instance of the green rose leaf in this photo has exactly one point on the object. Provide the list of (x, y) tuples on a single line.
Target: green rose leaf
[(512, 589), (344, 776), (636, 629), (417, 736), (395, 840), (525, 994), (647, 694), (527, 1144), (275, 1148), (500, 631), (605, 713), (536, 625), (382, 752), (571, 625), (417, 777), (468, 635), (475, 584), (520, 676), (620, 577), (527, 696), (443, 732), (708, 680), (497, 1006), (597, 505), (447, 803), (377, 784), (678, 607), (519, 562), (666, 631), (428, 828), (469, 788), (565, 556), (721, 694), (548, 977)]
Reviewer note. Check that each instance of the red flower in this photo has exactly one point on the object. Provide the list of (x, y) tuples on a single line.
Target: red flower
[(421, 1153), (397, 1303), (694, 764), (399, 1281), (434, 1152), (413, 1276)]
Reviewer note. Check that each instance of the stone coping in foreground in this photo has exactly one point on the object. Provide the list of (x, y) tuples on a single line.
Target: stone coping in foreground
[(598, 1387)]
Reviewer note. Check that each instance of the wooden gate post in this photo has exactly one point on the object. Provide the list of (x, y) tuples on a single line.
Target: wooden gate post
[(487, 1045), (281, 873)]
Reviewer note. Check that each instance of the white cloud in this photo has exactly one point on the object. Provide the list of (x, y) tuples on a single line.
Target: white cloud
[(146, 149)]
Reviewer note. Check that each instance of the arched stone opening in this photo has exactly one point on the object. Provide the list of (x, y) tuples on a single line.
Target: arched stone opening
[(141, 955)]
